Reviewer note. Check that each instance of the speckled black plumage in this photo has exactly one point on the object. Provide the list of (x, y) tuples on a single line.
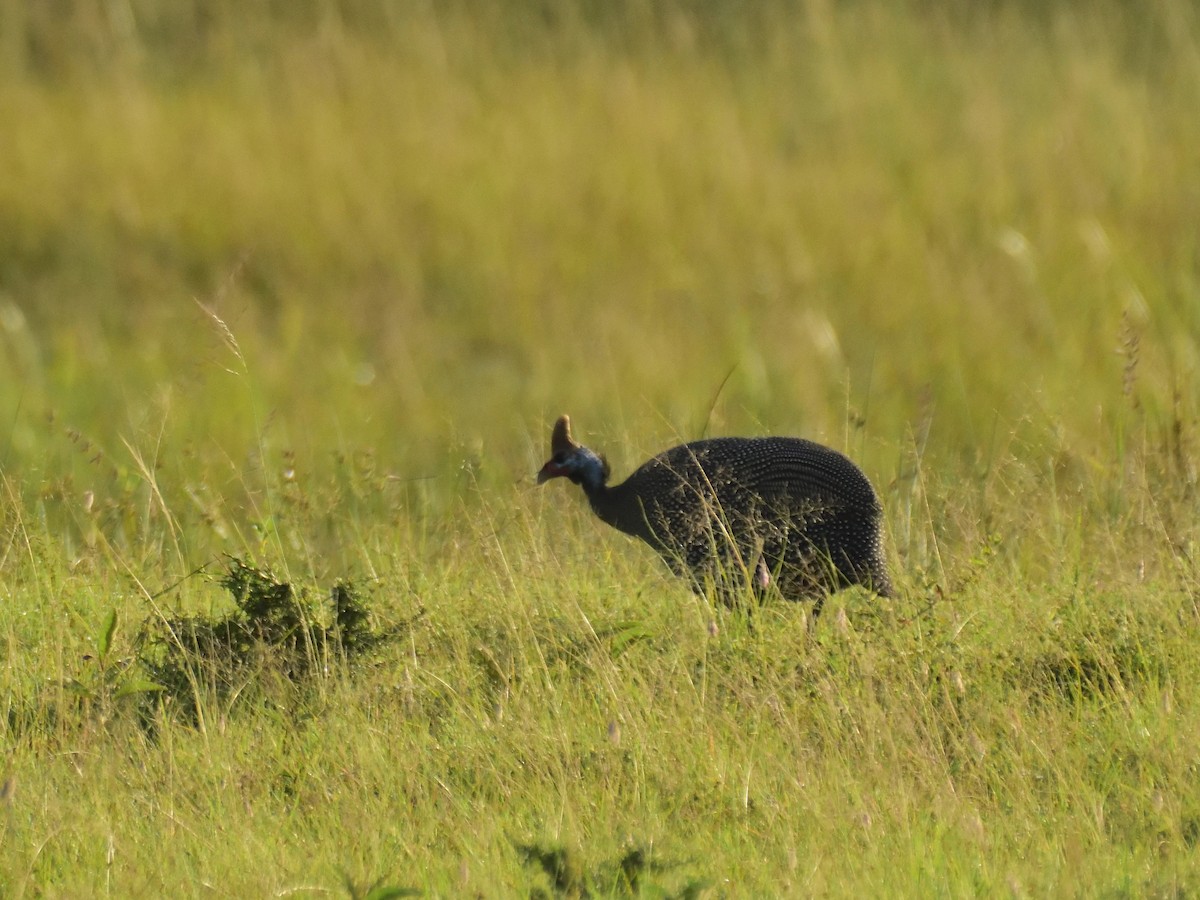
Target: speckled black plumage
[(781, 510)]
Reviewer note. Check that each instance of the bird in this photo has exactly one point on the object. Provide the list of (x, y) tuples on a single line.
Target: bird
[(733, 513)]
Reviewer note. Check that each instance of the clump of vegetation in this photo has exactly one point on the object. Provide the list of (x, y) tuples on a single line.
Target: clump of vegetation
[(276, 642), (566, 874), (275, 634), (1089, 654), (377, 890)]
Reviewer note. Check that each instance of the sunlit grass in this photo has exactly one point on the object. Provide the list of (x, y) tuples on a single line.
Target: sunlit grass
[(308, 287)]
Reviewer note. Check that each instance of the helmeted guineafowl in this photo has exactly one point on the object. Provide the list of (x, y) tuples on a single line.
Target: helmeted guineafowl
[(727, 510)]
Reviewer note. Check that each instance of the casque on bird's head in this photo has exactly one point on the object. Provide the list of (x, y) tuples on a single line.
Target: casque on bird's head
[(560, 438), (562, 449), (571, 460)]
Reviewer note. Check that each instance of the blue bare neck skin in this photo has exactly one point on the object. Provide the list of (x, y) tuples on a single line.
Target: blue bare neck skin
[(591, 474)]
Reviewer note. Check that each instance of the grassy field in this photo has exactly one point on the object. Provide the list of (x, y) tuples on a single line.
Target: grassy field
[(292, 293)]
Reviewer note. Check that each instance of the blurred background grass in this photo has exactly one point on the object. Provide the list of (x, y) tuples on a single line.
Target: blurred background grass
[(239, 239)]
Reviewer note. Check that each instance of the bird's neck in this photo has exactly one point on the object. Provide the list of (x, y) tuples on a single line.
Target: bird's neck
[(611, 504), (601, 498), (614, 507), (592, 475)]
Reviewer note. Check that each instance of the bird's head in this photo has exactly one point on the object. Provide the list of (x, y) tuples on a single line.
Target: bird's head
[(571, 460)]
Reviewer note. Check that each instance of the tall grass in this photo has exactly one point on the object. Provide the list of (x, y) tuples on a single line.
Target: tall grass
[(307, 284)]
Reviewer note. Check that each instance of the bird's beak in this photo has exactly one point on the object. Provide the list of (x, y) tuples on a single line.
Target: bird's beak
[(549, 470)]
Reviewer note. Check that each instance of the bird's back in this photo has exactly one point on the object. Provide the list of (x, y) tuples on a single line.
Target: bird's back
[(804, 511)]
